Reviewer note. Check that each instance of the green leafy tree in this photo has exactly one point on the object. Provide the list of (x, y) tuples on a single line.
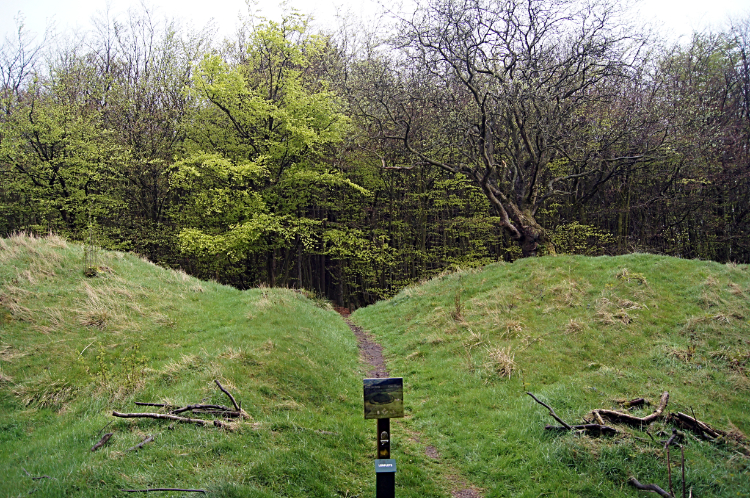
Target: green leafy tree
[(256, 166), (57, 153)]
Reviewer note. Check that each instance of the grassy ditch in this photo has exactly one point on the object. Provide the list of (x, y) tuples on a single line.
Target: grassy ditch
[(73, 349), (580, 333)]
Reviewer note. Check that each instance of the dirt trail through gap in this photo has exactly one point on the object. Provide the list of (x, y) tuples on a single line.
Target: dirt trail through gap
[(372, 353)]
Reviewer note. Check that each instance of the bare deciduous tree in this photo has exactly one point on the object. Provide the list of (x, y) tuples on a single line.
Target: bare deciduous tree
[(531, 99)]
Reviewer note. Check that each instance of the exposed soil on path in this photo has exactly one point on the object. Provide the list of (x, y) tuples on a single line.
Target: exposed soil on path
[(372, 353)]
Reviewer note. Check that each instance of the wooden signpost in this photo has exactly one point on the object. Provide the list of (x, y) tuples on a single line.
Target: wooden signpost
[(384, 400)]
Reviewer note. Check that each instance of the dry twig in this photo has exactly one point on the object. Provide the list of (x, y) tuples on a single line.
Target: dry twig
[(141, 444), (590, 428), (163, 489), (648, 487), (236, 406), (626, 418), (687, 422), (102, 441), (37, 478), (551, 412), (166, 416)]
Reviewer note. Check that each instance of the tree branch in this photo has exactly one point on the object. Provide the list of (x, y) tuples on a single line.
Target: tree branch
[(166, 416), (236, 406), (551, 412), (626, 418), (102, 441), (163, 489), (648, 487), (141, 444)]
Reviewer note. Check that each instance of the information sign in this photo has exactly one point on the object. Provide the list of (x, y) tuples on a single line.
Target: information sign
[(384, 398)]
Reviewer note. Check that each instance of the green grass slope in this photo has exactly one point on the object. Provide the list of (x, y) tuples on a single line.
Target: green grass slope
[(579, 333), (73, 349)]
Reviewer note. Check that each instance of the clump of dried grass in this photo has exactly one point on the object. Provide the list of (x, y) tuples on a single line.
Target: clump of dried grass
[(569, 293), (716, 319), (186, 362), (45, 393), (574, 326), (474, 340), (232, 354), (95, 315), (54, 240), (709, 299), (164, 320), (55, 318), (626, 304), (609, 313), (736, 290), (101, 305), (17, 310), (434, 339), (711, 281), (502, 361), (414, 355), (5, 379), (511, 329), (740, 382), (683, 354), (9, 353), (627, 276)]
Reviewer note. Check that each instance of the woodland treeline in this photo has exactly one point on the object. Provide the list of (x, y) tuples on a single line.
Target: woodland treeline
[(351, 163)]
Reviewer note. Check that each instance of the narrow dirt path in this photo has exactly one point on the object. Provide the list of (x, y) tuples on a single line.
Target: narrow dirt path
[(372, 353)]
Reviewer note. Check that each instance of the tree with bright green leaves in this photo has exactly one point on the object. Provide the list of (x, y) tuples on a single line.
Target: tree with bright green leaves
[(257, 163), (56, 154)]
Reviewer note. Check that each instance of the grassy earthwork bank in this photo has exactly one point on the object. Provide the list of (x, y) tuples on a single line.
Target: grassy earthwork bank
[(73, 349), (580, 333)]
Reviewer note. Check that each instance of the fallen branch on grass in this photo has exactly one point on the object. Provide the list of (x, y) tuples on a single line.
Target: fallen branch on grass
[(213, 409), (551, 412), (598, 429), (163, 489), (37, 478), (626, 418), (632, 403), (236, 406), (221, 410), (687, 422), (141, 444), (102, 429), (648, 487), (102, 441), (167, 416)]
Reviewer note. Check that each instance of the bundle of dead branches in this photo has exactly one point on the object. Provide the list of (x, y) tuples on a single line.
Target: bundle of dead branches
[(597, 419), (223, 412)]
